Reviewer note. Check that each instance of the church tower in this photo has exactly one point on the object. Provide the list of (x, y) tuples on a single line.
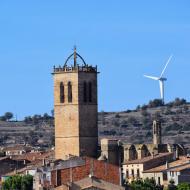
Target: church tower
[(75, 108), (157, 132)]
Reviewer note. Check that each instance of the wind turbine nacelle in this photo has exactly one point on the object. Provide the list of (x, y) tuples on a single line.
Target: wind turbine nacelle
[(163, 79)]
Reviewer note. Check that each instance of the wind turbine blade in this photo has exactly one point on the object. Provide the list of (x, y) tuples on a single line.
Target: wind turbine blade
[(166, 66), (151, 77)]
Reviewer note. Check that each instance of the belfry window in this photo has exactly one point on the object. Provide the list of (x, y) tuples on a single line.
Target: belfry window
[(90, 91), (62, 95), (84, 92), (69, 92)]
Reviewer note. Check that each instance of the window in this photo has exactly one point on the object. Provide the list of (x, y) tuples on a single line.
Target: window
[(84, 92), (127, 173), (165, 177), (90, 91), (158, 180), (69, 92), (132, 173), (62, 96), (138, 173), (58, 182)]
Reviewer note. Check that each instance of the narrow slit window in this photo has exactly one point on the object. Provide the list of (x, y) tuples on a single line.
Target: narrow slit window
[(90, 91), (62, 95), (84, 92), (69, 92)]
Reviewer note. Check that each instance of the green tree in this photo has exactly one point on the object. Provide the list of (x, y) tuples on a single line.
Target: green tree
[(155, 103), (46, 116), (8, 116), (138, 107), (28, 119), (27, 182), (146, 184), (183, 186), (3, 118), (52, 112), (18, 182), (36, 119), (171, 185)]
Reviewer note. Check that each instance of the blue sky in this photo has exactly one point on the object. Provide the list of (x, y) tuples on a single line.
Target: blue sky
[(126, 39)]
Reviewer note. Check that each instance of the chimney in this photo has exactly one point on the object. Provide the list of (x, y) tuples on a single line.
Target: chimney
[(177, 153), (152, 154), (52, 164), (167, 165), (43, 162)]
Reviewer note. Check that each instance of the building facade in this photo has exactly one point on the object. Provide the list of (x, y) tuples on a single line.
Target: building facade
[(178, 171), (134, 169), (78, 168), (75, 109)]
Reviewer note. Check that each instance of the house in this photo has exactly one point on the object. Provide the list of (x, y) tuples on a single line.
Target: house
[(10, 165), (134, 169), (178, 171), (16, 150), (179, 174)]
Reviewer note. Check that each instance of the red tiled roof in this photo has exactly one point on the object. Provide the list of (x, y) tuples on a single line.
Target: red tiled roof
[(148, 158), (176, 165), (17, 147), (31, 156)]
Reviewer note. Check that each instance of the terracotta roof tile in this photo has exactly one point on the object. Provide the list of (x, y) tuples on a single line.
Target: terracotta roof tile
[(148, 158), (177, 165)]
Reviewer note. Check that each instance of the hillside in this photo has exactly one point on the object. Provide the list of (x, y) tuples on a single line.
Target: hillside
[(133, 126), (40, 135), (136, 126)]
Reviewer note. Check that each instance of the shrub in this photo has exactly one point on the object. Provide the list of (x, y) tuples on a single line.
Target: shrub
[(173, 127), (117, 115), (155, 103)]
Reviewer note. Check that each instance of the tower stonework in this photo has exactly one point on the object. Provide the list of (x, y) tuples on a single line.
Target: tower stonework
[(157, 132), (75, 109)]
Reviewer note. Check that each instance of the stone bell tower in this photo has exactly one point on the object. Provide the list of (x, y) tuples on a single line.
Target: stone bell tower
[(75, 108), (157, 132)]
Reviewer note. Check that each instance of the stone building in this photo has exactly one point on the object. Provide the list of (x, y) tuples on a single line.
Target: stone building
[(139, 151), (75, 108), (116, 151)]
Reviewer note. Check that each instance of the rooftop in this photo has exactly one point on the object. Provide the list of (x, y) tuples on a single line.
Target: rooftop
[(17, 148), (178, 165), (148, 158), (31, 156), (72, 162)]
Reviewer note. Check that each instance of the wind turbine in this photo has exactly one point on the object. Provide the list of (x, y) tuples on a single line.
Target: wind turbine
[(161, 79)]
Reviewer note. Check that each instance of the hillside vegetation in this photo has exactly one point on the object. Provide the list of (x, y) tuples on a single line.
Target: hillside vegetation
[(133, 126)]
